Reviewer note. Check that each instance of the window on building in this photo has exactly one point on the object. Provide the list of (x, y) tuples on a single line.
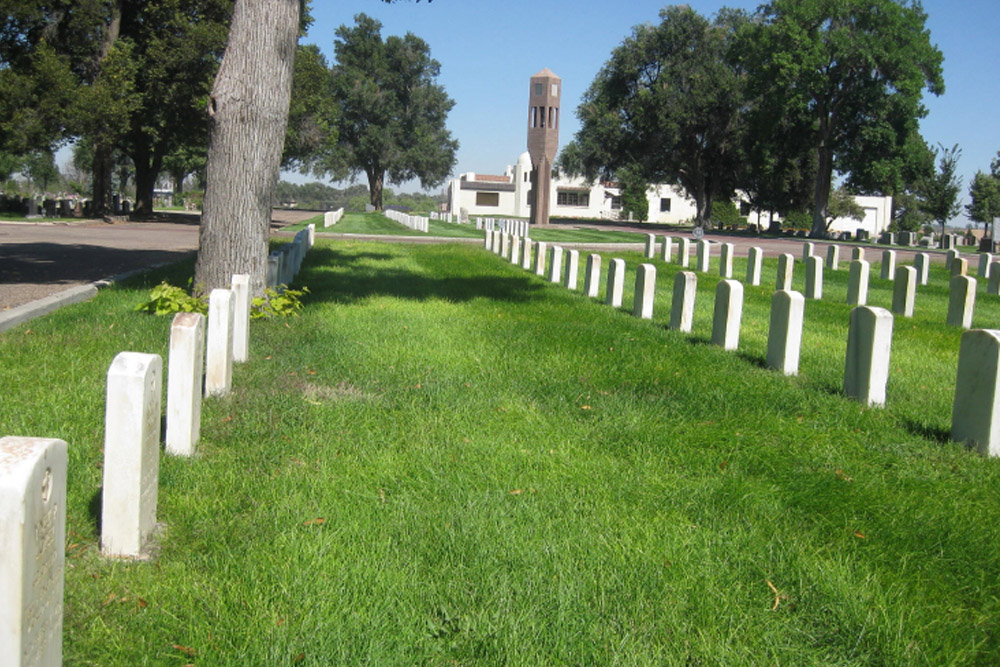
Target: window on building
[(564, 198), (539, 88), (541, 113), (616, 203), (664, 204), (552, 117), (534, 116), (487, 199), (744, 208), (555, 90)]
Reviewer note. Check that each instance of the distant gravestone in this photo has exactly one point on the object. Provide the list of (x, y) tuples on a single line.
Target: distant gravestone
[(947, 241), (650, 246), (985, 260), (857, 283), (572, 269), (505, 245), (273, 269), (808, 250), (682, 306), (833, 257), (592, 280), (555, 263), (515, 250), (32, 549), (241, 317), (993, 286), (961, 301), (131, 453), (959, 266), (683, 252), (857, 253), (784, 335), (975, 415), (755, 258), (488, 240), (185, 365), (703, 254), (727, 314), (541, 250), (922, 263), (814, 277), (949, 258), (526, 254), (645, 291), (616, 282), (726, 253), (668, 248), (786, 264), (219, 354), (904, 290), (869, 342), (888, 268)]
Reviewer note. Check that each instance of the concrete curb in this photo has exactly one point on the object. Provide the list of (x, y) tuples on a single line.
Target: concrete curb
[(29, 311)]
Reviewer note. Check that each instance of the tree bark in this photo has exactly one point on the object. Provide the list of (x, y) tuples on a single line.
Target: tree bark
[(824, 177), (376, 180), (249, 110), (101, 169)]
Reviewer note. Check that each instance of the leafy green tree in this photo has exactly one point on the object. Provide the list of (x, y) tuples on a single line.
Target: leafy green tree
[(856, 68), (984, 193), (668, 102), (633, 192), (392, 113), (312, 114), (40, 167), (940, 190), (843, 205)]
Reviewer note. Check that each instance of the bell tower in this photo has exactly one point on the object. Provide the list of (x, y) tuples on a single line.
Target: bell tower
[(543, 140)]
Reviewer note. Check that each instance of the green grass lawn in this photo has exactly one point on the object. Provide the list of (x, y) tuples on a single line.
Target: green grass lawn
[(446, 460)]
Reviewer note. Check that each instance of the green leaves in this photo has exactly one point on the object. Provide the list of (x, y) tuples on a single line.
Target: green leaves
[(167, 299)]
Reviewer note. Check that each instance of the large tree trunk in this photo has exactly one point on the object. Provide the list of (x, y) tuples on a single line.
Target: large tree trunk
[(824, 178), (376, 180), (101, 169), (147, 168), (249, 110)]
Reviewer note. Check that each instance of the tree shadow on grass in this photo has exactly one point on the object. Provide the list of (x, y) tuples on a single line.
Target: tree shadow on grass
[(928, 431), (753, 359), (360, 281)]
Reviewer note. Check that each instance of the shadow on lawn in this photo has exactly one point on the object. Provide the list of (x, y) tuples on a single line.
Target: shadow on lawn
[(365, 281)]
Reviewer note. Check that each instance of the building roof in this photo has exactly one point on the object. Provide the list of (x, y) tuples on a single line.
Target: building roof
[(547, 72)]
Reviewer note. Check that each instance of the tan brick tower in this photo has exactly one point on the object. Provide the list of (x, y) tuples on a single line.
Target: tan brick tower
[(543, 140)]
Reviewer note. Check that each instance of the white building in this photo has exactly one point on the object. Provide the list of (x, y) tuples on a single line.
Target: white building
[(507, 195)]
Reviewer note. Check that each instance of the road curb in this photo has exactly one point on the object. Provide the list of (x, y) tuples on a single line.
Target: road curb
[(29, 311)]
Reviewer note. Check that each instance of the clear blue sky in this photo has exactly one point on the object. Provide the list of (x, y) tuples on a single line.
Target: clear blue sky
[(489, 50)]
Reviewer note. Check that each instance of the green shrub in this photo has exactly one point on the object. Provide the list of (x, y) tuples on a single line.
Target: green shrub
[(167, 299), (286, 303)]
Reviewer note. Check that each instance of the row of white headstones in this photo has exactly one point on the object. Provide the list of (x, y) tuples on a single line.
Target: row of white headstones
[(330, 218), (33, 470), (417, 223), (976, 408)]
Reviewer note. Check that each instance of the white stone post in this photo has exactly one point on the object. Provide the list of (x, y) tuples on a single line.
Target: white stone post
[(32, 549), (312, 234), (704, 253), (922, 263), (488, 240), (683, 251), (959, 266), (857, 283), (668, 248), (650, 246), (526, 254), (786, 266), (755, 259), (555, 264), (219, 355), (131, 453), (857, 253), (888, 268), (833, 257), (975, 415), (814, 277), (616, 282), (505, 245), (726, 260), (728, 314), (515, 250), (645, 291), (869, 342), (185, 365), (808, 250), (784, 335), (985, 260), (950, 257), (572, 269), (541, 250), (961, 301), (682, 306), (241, 317), (592, 281), (904, 290)]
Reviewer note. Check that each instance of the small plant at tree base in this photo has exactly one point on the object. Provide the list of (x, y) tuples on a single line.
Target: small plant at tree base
[(277, 304), (167, 299)]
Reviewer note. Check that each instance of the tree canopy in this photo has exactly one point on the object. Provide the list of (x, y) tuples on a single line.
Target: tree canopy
[(940, 189)]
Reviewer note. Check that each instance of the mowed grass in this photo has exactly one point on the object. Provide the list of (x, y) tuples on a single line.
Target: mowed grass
[(448, 460)]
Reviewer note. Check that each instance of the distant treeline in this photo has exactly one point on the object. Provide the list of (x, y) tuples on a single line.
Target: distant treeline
[(323, 197)]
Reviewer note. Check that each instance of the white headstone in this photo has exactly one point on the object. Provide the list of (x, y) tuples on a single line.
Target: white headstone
[(814, 277), (241, 317), (505, 245), (683, 251), (950, 257), (975, 415), (869, 342), (185, 365), (961, 301), (959, 266), (985, 260), (312, 234), (857, 283), (704, 253), (833, 257), (993, 286), (572, 269), (32, 550), (555, 264), (784, 336), (592, 281), (755, 259), (541, 250), (515, 250), (488, 240), (616, 282), (219, 353), (728, 314), (682, 306), (904, 291), (645, 291), (857, 253), (888, 264), (650, 246), (131, 453), (786, 266), (668, 248), (526, 254), (726, 260), (808, 249), (922, 263)]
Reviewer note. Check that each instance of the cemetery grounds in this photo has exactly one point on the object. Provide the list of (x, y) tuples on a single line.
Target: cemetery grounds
[(449, 460)]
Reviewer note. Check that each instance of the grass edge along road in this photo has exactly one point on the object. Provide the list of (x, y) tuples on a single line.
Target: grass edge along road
[(447, 458)]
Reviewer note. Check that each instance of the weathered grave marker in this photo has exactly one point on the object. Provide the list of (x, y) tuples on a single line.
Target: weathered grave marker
[(515, 250), (616, 282), (650, 246), (726, 260), (869, 342), (786, 265), (857, 283), (888, 269), (904, 291), (784, 335), (645, 291), (185, 365), (833, 257), (704, 250), (541, 250), (857, 253), (985, 260), (592, 281), (555, 263), (975, 414), (131, 453), (219, 359), (959, 266), (683, 251), (814, 277), (961, 301), (808, 250), (950, 257), (728, 314), (755, 259), (682, 307), (526, 254), (993, 286), (922, 263), (572, 268), (668, 248), (241, 317)]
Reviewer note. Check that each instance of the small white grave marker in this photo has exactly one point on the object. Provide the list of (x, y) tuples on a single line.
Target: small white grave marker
[(515, 250), (814, 277), (704, 253), (857, 253), (993, 286), (985, 260), (185, 365), (682, 307), (728, 314), (131, 453), (869, 342), (555, 264), (541, 250), (808, 250), (32, 548), (959, 266), (975, 415), (572, 269), (616, 282), (683, 251), (922, 263), (786, 266), (833, 257), (592, 281), (755, 258), (219, 356), (784, 336), (888, 269), (241, 317), (526, 254), (650, 246), (961, 301), (857, 283), (645, 291), (904, 291), (668, 248), (726, 260)]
